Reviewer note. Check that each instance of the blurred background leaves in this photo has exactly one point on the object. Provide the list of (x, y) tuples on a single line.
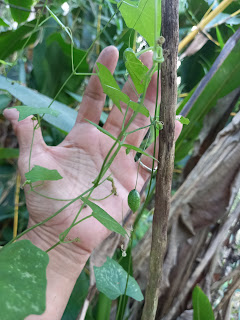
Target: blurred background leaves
[(36, 52)]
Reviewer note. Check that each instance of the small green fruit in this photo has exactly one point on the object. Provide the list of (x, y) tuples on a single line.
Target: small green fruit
[(134, 200)]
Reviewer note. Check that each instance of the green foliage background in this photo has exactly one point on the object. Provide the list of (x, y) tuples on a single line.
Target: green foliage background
[(40, 58)]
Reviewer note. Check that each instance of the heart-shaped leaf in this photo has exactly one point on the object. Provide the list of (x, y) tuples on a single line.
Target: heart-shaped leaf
[(23, 280), (111, 280)]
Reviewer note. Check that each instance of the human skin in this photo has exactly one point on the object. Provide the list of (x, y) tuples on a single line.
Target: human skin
[(79, 159)]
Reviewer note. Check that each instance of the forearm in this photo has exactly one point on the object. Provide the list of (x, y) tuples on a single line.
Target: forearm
[(65, 265)]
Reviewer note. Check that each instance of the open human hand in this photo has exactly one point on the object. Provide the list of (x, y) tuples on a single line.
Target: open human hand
[(79, 159)]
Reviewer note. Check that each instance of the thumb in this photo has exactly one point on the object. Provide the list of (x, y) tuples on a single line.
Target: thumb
[(24, 131)]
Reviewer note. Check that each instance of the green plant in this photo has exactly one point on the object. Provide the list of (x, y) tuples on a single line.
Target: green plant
[(134, 200), (63, 118)]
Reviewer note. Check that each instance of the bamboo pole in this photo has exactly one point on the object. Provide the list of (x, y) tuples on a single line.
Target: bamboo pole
[(222, 6)]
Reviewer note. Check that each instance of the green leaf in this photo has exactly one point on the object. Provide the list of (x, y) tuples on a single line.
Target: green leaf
[(182, 119), (202, 309), (8, 153), (110, 86), (14, 40), (111, 280), (222, 79), (129, 146), (39, 173), (139, 108), (77, 297), (67, 117), (4, 101), (102, 130), (141, 17), (104, 218), (103, 307), (25, 111), (22, 13), (220, 38), (137, 70), (23, 280), (3, 23)]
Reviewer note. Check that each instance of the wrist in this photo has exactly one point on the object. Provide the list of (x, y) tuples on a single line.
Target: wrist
[(66, 262), (66, 259)]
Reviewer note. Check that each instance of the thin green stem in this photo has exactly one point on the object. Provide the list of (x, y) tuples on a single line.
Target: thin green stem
[(144, 206), (129, 267), (76, 223), (119, 307), (155, 135), (54, 246), (59, 242), (144, 50), (50, 217), (44, 196), (85, 55), (129, 132), (30, 153), (93, 199), (124, 118)]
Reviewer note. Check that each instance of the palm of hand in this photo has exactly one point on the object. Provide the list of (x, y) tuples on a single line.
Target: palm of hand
[(79, 159), (79, 163)]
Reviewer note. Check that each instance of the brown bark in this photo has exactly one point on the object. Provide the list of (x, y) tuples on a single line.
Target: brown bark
[(165, 157)]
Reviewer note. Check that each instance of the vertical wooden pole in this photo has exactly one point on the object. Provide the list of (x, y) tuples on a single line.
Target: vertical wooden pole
[(170, 31)]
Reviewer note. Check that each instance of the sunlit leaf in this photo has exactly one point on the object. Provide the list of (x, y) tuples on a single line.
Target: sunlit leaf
[(140, 17), (110, 86), (182, 119), (137, 70), (139, 108), (39, 173), (219, 37), (111, 280), (23, 280)]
